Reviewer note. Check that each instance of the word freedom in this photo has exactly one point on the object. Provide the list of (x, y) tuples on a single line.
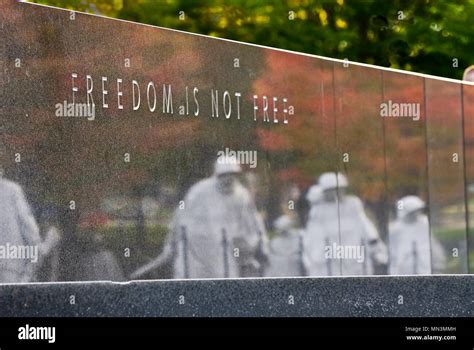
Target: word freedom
[(270, 109)]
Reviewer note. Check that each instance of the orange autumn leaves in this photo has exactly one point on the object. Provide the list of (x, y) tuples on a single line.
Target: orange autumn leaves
[(337, 113)]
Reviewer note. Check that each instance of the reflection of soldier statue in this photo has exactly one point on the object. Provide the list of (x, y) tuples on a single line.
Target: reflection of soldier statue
[(339, 221), (315, 237), (216, 231), (18, 230), (409, 237), (100, 263), (286, 254)]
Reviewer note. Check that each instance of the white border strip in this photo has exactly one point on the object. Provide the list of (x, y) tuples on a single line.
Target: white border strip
[(181, 280), (372, 66)]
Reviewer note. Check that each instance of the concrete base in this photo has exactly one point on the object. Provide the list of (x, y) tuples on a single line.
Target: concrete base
[(409, 296)]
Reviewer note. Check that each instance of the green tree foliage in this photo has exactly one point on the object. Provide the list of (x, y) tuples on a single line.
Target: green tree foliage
[(426, 36)]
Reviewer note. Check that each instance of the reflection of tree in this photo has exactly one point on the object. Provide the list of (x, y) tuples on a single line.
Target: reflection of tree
[(84, 160), (301, 149), (306, 143), (421, 38), (468, 106), (387, 157), (445, 140), (330, 120), (64, 159)]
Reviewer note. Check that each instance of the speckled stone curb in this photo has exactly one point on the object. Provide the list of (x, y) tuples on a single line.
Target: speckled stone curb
[(427, 296)]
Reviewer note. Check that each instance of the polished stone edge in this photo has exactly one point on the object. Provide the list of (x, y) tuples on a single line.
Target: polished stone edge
[(407, 296)]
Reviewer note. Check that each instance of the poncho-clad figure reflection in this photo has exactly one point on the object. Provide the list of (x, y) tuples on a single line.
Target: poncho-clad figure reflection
[(100, 263), (351, 242), (286, 253), (20, 239), (409, 237), (315, 238), (217, 231)]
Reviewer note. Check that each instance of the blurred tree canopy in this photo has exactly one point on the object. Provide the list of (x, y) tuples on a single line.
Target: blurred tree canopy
[(427, 36)]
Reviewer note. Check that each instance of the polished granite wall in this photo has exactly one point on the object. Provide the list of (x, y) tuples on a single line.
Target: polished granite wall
[(420, 296)]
